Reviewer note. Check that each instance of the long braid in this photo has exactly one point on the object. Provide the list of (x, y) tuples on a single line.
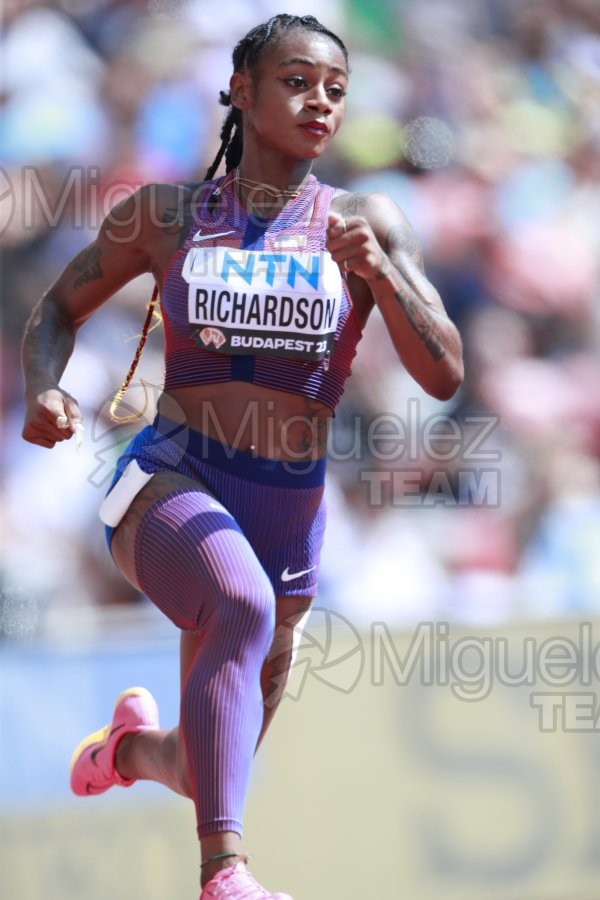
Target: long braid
[(231, 124), (127, 380), (233, 154)]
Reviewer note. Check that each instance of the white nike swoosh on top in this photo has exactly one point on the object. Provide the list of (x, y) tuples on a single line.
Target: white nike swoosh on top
[(286, 575), (207, 237)]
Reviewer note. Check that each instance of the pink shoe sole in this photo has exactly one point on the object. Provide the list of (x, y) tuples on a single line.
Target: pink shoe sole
[(93, 762), (237, 883)]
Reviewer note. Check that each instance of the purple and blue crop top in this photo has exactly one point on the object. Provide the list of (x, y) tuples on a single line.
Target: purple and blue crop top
[(259, 300)]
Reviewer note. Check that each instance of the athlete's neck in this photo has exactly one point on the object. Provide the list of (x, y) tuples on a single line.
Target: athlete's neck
[(264, 190)]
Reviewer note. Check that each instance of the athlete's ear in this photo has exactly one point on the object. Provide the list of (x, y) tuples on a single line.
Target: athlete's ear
[(239, 85)]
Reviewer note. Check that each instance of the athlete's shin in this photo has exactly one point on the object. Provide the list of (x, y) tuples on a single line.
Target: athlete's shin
[(291, 616)]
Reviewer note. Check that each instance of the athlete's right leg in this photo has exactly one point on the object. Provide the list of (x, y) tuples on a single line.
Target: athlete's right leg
[(204, 575), (154, 755), (158, 755), (187, 554)]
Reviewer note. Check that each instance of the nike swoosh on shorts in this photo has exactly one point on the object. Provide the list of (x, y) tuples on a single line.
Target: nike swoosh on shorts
[(286, 575)]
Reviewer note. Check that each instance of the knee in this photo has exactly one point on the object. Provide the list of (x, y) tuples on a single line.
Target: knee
[(247, 609)]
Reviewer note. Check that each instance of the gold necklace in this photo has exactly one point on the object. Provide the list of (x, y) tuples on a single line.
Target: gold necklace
[(265, 188)]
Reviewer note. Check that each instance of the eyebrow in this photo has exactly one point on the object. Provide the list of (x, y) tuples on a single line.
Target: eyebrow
[(303, 61)]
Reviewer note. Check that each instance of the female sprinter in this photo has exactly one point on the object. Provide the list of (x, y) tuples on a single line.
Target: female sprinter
[(266, 279)]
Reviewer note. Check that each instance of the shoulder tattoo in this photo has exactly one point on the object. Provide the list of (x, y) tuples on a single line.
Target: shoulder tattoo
[(177, 220), (352, 204)]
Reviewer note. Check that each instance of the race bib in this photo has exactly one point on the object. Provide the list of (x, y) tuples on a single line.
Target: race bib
[(255, 302)]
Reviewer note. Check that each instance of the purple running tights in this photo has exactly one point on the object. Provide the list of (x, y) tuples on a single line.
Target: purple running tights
[(194, 563)]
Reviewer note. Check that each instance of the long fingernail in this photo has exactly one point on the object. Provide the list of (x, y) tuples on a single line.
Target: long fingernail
[(62, 421)]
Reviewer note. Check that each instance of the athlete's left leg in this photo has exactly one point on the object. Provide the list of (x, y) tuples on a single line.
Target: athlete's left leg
[(291, 614), (160, 755)]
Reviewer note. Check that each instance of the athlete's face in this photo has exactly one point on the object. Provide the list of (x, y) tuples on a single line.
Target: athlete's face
[(294, 98)]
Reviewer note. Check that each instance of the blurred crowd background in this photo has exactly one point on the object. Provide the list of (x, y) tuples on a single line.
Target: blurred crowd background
[(482, 119)]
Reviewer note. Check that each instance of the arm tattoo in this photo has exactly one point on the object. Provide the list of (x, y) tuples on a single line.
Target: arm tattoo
[(47, 345), (403, 240), (422, 323), (88, 263)]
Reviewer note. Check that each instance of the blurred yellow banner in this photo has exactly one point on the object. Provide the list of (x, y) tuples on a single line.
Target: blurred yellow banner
[(379, 779)]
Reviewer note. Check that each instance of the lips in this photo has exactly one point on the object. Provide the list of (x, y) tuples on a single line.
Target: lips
[(318, 128)]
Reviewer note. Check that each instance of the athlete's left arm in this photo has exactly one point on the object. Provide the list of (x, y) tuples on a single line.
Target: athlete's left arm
[(369, 236)]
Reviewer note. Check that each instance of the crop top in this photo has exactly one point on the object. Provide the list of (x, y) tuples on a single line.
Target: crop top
[(259, 300)]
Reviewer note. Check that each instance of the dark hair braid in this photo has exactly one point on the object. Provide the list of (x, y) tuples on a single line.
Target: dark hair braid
[(231, 124), (246, 54)]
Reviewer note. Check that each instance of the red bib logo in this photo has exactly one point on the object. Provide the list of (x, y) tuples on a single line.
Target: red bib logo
[(212, 335)]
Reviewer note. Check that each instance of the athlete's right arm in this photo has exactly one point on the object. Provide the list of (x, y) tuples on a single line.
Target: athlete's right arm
[(123, 249)]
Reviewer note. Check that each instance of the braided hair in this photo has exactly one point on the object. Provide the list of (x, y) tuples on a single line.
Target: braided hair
[(246, 54)]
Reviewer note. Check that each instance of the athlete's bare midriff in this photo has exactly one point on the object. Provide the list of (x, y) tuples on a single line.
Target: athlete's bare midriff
[(255, 419)]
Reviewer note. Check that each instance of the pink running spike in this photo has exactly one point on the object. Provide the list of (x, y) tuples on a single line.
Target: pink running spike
[(93, 762), (236, 883)]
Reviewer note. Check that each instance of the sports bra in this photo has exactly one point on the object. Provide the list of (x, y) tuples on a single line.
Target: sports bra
[(259, 300)]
